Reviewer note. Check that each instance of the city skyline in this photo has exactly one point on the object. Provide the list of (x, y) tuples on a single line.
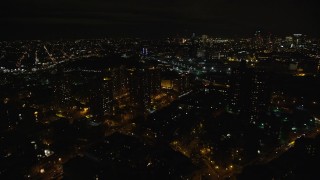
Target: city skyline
[(182, 90)]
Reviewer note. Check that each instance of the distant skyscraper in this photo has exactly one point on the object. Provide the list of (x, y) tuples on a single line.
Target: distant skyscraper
[(204, 39), (144, 51), (258, 40), (63, 90), (107, 94), (249, 92), (104, 90), (119, 81), (183, 83), (143, 84), (193, 47), (138, 88), (260, 94), (298, 41), (153, 80)]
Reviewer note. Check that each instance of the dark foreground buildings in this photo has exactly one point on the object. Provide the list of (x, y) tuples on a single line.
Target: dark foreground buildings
[(200, 108)]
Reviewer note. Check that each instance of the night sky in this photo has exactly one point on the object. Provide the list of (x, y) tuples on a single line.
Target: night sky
[(30, 19)]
